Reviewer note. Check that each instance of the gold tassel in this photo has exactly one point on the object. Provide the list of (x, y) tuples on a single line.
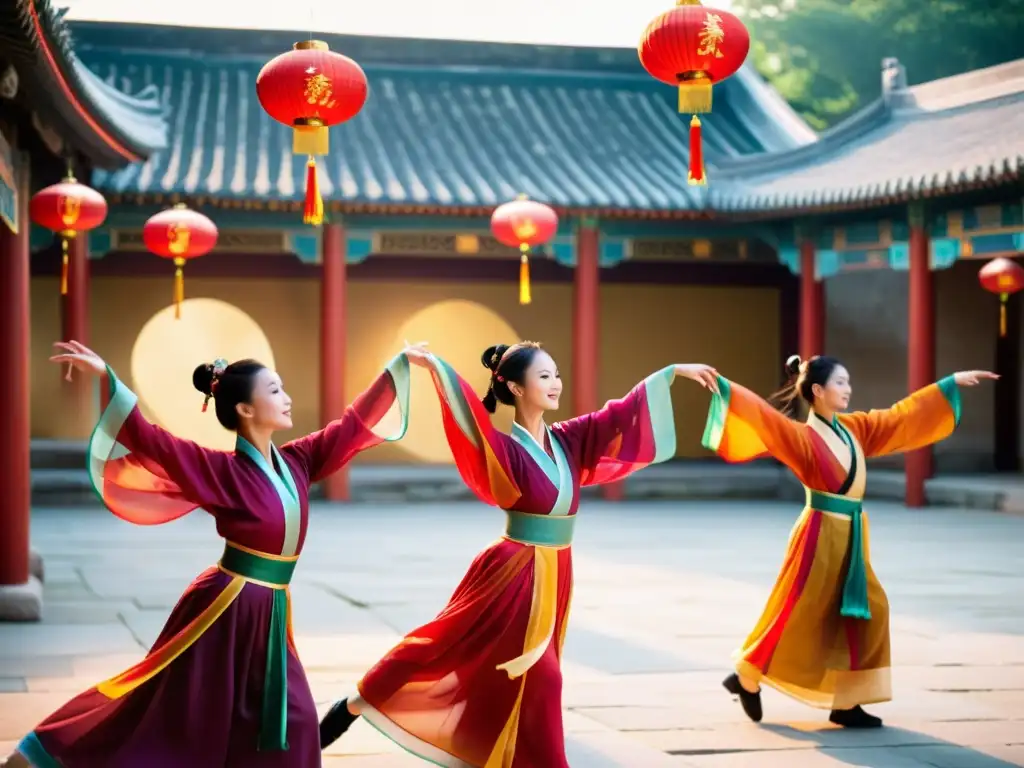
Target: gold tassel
[(1002, 313), (696, 175), (695, 94), (179, 286), (64, 266), (314, 208), (524, 276)]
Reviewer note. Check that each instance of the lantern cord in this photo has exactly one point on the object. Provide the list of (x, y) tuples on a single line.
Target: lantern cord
[(313, 212), (64, 266), (524, 275), (696, 176), (179, 286)]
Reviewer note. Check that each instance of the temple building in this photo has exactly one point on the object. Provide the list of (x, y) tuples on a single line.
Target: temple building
[(863, 242)]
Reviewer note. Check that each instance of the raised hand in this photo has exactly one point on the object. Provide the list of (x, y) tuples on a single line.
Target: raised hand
[(973, 378), (80, 357), (704, 375), (417, 353)]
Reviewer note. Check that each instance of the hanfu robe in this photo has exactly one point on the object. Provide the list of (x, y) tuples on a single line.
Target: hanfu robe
[(481, 684), (823, 638), (222, 687)]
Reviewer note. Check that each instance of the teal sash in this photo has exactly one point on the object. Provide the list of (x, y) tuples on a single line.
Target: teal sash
[(275, 573), (855, 587), (540, 530)]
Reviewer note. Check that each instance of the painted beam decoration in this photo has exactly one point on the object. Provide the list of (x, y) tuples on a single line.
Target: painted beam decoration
[(693, 48), (311, 88), (179, 234), (8, 186)]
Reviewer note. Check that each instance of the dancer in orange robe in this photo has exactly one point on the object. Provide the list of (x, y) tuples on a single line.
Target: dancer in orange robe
[(823, 637)]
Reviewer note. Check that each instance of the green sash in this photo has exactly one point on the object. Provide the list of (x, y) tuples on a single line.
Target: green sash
[(855, 588), (540, 530)]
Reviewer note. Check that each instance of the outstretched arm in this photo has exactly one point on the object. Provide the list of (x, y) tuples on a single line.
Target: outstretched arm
[(380, 414), (925, 417), (632, 432)]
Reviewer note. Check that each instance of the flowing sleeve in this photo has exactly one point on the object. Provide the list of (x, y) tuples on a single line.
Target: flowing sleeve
[(146, 475), (380, 414), (481, 452), (626, 435), (925, 417), (741, 427)]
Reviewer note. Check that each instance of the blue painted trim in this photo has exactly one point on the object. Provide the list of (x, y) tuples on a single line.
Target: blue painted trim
[(789, 255), (305, 245), (613, 252), (101, 242)]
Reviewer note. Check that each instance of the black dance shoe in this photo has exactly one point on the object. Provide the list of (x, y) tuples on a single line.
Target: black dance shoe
[(335, 723), (854, 718), (751, 702)]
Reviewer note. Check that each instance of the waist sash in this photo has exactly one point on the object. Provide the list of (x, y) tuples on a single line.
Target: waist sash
[(855, 588), (540, 530), (274, 572)]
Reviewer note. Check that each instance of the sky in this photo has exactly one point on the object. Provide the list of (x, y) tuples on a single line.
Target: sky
[(553, 22)]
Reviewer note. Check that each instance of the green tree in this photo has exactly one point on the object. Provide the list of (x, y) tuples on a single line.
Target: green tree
[(824, 56)]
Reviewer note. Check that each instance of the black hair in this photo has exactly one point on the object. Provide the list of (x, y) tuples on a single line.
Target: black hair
[(230, 387), (802, 376), (506, 363)]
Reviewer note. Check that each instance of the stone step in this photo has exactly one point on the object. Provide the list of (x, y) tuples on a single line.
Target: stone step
[(57, 454)]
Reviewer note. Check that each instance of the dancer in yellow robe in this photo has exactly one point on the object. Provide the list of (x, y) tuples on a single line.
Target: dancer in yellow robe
[(823, 638)]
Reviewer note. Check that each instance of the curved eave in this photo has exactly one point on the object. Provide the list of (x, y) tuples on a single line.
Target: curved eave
[(400, 209), (109, 128), (900, 191)]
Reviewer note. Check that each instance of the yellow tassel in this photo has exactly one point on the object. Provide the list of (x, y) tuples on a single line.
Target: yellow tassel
[(64, 267), (179, 286), (695, 95), (314, 208), (1002, 313), (524, 277)]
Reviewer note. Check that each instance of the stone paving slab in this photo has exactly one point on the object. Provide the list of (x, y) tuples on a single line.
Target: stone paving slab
[(664, 594)]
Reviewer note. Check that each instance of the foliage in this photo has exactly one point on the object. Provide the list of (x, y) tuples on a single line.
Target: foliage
[(824, 56)]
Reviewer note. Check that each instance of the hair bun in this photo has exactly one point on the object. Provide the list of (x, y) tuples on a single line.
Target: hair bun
[(202, 378), (492, 356), (793, 363)]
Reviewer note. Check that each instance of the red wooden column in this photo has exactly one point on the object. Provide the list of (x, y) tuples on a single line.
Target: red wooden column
[(74, 322), (812, 304), (332, 343), (921, 344), (14, 413)]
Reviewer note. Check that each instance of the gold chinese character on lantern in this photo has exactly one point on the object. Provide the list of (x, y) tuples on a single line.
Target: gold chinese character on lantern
[(69, 210), (318, 90), (711, 36), (525, 229), (177, 239)]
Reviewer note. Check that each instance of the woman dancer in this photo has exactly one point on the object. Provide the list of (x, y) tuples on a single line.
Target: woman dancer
[(823, 638), (481, 685), (223, 685)]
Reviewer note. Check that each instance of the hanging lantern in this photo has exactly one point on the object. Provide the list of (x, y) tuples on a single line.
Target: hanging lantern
[(524, 224), (1002, 276), (693, 48), (67, 208), (311, 88), (179, 234)]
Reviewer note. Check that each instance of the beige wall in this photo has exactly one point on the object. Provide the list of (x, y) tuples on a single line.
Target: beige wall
[(868, 327), (643, 327)]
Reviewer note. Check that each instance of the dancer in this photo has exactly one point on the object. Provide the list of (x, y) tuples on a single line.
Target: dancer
[(823, 638), (481, 685), (222, 686)]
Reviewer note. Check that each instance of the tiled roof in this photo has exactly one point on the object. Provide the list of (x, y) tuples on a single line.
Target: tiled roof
[(110, 127), (452, 127), (945, 136)]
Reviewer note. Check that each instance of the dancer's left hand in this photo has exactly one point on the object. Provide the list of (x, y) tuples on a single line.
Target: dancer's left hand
[(704, 375), (417, 353), (973, 378)]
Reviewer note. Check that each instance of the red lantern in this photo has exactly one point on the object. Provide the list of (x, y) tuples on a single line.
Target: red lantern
[(311, 88), (1002, 276), (524, 224), (179, 234), (693, 48), (67, 208)]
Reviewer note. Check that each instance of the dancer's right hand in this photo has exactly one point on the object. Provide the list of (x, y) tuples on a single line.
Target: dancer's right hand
[(80, 357), (417, 353)]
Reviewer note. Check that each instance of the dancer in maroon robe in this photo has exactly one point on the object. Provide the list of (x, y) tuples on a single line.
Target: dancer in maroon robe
[(223, 686)]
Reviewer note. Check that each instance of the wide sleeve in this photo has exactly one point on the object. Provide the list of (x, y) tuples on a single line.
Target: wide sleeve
[(626, 434), (146, 475), (742, 426), (380, 414), (925, 417), (482, 453)]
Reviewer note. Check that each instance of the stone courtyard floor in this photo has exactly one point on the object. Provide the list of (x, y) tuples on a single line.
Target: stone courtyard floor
[(664, 593)]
